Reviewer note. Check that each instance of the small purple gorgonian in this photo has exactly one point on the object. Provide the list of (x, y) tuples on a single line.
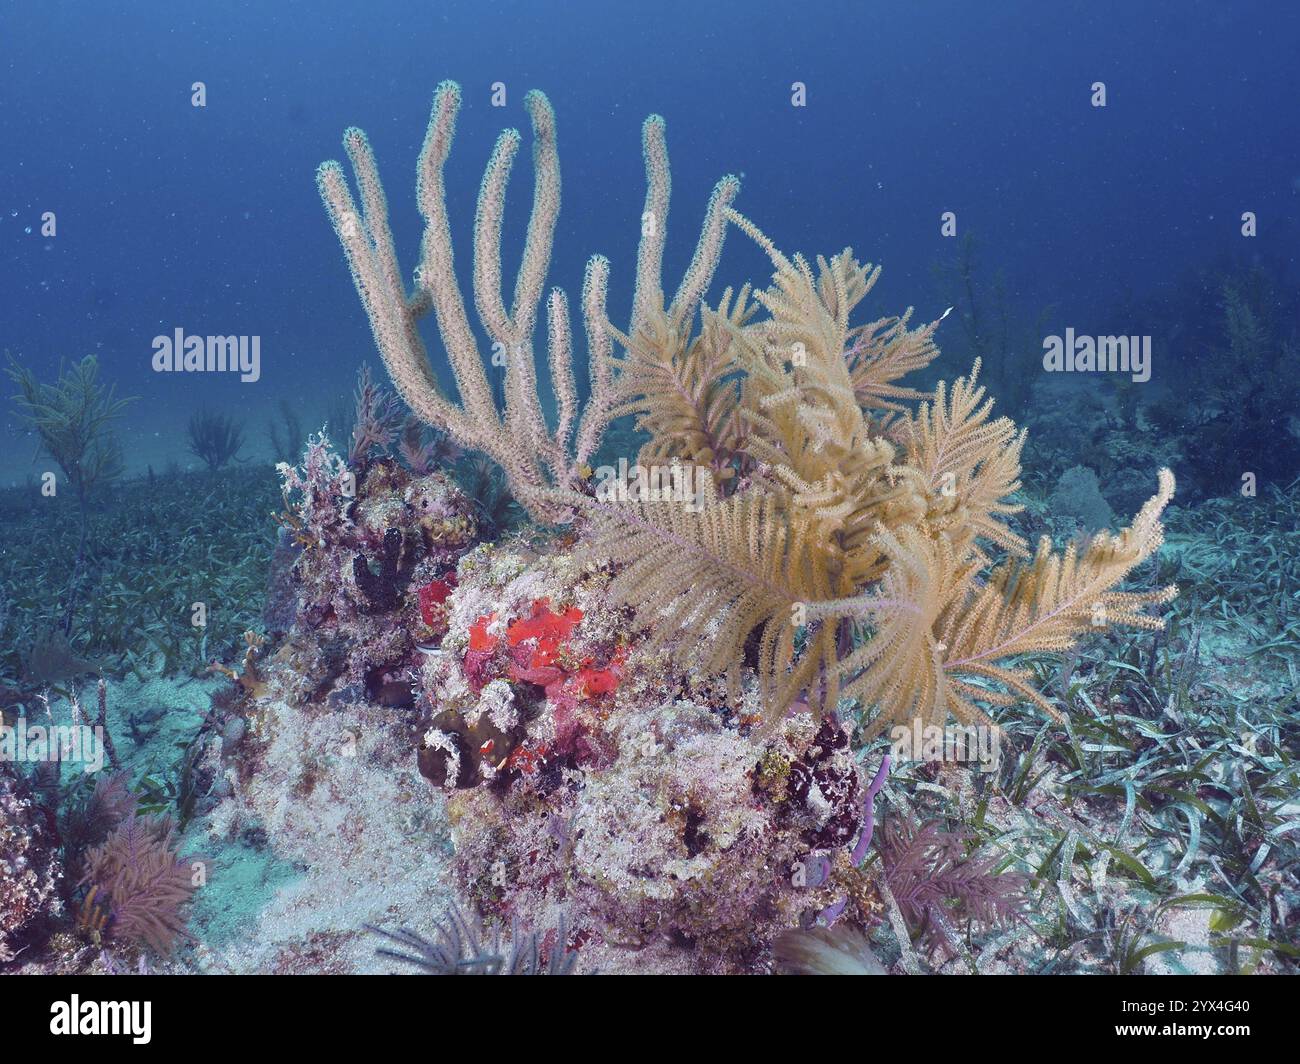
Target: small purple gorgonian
[(137, 886), (938, 880)]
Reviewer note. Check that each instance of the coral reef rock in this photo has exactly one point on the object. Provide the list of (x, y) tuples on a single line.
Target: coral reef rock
[(29, 864)]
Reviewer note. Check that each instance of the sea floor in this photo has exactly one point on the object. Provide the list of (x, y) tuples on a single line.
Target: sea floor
[(1158, 830)]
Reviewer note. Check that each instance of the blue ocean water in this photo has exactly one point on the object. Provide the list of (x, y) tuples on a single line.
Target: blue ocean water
[(207, 218)]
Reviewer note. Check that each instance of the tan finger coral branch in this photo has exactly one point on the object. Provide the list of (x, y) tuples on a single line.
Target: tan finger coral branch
[(535, 458)]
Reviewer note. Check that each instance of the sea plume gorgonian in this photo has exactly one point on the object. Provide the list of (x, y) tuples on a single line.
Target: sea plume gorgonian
[(138, 886)]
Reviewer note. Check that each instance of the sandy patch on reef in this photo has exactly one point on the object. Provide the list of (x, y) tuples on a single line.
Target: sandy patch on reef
[(333, 828)]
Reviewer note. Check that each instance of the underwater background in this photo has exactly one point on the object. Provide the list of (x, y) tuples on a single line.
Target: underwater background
[(130, 207)]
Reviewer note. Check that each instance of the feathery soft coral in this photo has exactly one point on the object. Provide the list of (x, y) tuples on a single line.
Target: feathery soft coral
[(139, 883), (936, 880)]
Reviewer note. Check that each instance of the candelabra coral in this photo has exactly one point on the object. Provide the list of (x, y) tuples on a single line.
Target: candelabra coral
[(841, 544), (532, 455)]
